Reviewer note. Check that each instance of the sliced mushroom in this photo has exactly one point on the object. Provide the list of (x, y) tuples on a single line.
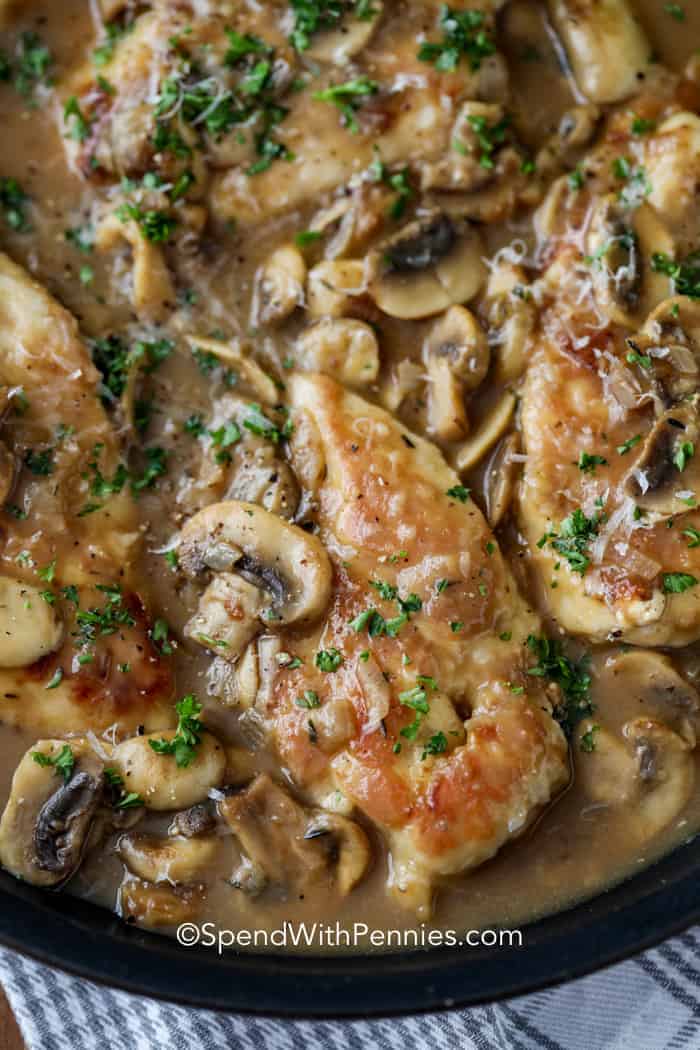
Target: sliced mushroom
[(457, 358), (651, 678), (620, 242), (656, 481), (30, 627), (672, 160), (152, 290), (337, 46), (490, 430), (158, 906), (671, 338), (46, 822), (605, 44), (158, 779), (500, 480), (649, 769), (263, 478), (193, 822), (279, 286), (289, 846), (244, 365), (289, 565), (511, 317), (428, 266), (174, 859), (228, 615), (348, 843), (333, 287), (343, 348)]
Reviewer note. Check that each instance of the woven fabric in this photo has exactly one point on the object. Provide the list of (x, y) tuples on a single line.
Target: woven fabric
[(651, 1002)]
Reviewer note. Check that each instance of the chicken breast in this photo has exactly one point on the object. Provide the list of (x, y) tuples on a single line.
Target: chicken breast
[(412, 699), (611, 484), (74, 636)]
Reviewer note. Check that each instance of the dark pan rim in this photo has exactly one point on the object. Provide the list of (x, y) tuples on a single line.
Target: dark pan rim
[(85, 941)]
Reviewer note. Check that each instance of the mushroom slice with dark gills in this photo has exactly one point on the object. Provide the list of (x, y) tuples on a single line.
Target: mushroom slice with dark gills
[(648, 769), (670, 339), (667, 472), (426, 267), (457, 357), (620, 243), (56, 791), (289, 846), (651, 678), (259, 568)]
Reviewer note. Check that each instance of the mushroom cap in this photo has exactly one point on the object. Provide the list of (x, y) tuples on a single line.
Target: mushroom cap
[(426, 267), (654, 481), (29, 626), (458, 339), (280, 558), (172, 859), (44, 828), (161, 783)]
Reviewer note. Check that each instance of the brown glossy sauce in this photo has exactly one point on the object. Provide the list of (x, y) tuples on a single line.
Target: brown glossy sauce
[(577, 848)]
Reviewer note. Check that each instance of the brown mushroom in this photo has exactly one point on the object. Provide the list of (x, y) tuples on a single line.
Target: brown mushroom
[(426, 267), (289, 846), (47, 820), (667, 467), (279, 287), (457, 359)]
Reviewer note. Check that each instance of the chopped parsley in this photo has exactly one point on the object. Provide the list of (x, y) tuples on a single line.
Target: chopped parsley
[(348, 97), (642, 126), (693, 535), (94, 623), (155, 225), (121, 798), (684, 275), (683, 454), (572, 678), (77, 123), (464, 36), (63, 763), (678, 582), (628, 445), (34, 59), (160, 636), (13, 202), (436, 745), (156, 466), (316, 16), (459, 492), (257, 423), (587, 741), (40, 463), (588, 462), (489, 137), (188, 734), (328, 659), (309, 700), (575, 533)]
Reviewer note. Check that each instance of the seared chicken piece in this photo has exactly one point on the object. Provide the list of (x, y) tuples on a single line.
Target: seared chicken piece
[(262, 117), (74, 640), (412, 698), (611, 485)]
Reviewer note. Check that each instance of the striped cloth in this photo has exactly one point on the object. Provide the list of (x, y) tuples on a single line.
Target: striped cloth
[(648, 1003)]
